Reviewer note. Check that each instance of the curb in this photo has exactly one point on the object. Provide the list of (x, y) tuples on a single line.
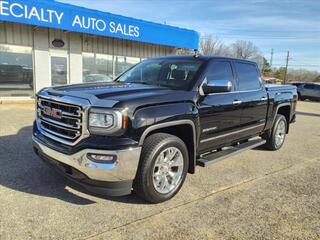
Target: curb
[(17, 100)]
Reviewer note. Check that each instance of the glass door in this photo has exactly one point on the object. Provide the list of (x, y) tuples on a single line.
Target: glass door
[(59, 64)]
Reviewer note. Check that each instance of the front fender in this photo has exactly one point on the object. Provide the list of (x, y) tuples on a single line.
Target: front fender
[(153, 115), (167, 117)]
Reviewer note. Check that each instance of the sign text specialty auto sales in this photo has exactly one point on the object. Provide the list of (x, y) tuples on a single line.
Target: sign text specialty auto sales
[(56, 18)]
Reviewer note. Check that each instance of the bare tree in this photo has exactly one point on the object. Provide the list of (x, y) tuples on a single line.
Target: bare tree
[(184, 51), (303, 75), (211, 46), (244, 49)]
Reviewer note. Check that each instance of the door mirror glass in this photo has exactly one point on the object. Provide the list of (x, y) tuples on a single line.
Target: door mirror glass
[(216, 86)]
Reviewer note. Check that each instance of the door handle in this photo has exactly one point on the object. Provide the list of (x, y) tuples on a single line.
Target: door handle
[(236, 102), (263, 98)]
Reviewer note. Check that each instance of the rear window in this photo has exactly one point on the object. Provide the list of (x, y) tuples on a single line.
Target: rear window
[(248, 76), (309, 86)]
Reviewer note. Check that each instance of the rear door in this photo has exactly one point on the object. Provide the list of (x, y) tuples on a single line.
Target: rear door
[(316, 91), (253, 97), (219, 115), (311, 90)]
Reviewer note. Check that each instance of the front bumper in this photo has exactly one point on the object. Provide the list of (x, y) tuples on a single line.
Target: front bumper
[(104, 178)]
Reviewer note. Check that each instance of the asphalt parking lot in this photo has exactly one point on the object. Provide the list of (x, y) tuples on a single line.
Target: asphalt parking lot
[(255, 195)]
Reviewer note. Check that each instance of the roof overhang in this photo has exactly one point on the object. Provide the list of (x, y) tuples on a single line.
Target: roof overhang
[(72, 18)]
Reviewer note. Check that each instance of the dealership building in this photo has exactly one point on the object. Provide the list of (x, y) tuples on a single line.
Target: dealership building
[(46, 43)]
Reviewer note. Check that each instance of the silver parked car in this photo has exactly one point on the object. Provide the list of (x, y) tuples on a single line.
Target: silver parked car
[(309, 91)]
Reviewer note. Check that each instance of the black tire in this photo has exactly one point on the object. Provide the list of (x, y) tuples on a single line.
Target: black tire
[(271, 143), (155, 144)]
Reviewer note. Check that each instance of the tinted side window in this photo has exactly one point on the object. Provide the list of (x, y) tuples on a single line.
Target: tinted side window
[(248, 77), (220, 71), (309, 86)]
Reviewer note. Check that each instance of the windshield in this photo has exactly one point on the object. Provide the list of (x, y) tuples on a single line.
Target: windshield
[(175, 74)]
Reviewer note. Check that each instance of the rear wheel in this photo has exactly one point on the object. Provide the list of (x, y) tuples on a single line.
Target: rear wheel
[(163, 168), (277, 136)]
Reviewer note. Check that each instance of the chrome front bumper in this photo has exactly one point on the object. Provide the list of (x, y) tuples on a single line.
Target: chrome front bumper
[(123, 169)]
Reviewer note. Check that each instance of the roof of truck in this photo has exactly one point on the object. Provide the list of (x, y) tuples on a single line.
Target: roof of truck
[(201, 57)]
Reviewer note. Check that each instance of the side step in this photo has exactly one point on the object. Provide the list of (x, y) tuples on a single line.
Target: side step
[(220, 155)]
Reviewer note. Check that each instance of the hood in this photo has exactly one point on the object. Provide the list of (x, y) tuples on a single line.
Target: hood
[(122, 95)]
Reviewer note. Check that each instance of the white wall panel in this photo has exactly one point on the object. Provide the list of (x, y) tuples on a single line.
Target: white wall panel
[(16, 34), (75, 65), (41, 59), (122, 47)]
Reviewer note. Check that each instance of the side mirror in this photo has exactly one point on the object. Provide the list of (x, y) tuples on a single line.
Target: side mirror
[(216, 86)]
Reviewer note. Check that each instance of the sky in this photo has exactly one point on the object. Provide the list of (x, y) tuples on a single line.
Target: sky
[(284, 25)]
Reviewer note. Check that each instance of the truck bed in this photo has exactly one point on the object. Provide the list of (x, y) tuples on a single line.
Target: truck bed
[(280, 88)]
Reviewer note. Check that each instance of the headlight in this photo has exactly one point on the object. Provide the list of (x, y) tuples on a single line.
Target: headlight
[(103, 121)]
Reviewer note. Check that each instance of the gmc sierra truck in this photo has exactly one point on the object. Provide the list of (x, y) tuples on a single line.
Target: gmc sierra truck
[(156, 122)]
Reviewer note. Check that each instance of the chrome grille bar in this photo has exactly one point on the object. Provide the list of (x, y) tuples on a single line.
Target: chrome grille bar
[(58, 134), (60, 121), (64, 113), (59, 124)]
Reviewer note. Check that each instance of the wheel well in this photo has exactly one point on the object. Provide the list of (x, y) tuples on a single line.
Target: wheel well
[(185, 133), (285, 111)]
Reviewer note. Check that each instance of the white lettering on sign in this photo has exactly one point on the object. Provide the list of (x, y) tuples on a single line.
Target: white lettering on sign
[(59, 16), (101, 25), (127, 30), (54, 17), (89, 23), (18, 10), (4, 8)]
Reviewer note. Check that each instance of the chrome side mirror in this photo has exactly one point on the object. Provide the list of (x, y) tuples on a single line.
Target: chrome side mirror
[(216, 86)]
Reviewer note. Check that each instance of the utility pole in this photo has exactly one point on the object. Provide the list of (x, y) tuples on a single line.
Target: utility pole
[(286, 71), (271, 57)]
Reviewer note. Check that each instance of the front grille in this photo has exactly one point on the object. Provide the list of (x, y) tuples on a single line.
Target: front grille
[(60, 121)]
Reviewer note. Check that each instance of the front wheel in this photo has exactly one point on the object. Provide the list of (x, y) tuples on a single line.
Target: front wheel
[(162, 169), (277, 136)]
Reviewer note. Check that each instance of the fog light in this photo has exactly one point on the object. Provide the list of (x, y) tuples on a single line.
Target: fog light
[(101, 158)]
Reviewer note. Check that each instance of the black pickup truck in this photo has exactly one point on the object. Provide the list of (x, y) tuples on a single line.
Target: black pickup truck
[(157, 121)]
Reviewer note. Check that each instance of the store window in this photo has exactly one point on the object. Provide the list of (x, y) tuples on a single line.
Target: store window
[(124, 63), (97, 67), (16, 71)]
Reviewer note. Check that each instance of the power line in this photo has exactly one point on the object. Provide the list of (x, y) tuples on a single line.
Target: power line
[(228, 35), (297, 65)]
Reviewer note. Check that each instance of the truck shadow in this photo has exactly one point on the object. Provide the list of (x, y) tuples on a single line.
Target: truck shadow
[(22, 170)]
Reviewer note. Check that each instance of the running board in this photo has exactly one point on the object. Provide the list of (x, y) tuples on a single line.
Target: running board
[(220, 155)]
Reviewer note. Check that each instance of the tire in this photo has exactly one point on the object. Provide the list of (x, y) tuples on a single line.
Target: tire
[(277, 136), (154, 171)]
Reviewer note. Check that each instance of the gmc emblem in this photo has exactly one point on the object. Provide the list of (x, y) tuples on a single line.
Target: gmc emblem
[(52, 112)]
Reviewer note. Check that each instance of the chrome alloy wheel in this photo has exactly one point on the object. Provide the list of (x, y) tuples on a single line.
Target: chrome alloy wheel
[(280, 133), (167, 171)]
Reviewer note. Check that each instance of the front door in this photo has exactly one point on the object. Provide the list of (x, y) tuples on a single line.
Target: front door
[(59, 65), (219, 112)]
